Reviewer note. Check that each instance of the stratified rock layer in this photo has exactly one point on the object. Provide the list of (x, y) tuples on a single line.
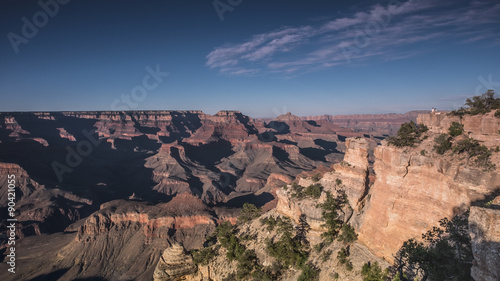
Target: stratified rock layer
[(174, 263), (415, 188)]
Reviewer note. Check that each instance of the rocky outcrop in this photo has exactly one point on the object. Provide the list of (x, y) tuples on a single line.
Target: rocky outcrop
[(352, 171), (351, 176), (39, 210), (174, 263), (484, 230), (483, 128), (415, 188), (183, 213)]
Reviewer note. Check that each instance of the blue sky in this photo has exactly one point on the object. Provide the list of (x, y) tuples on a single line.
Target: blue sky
[(263, 58)]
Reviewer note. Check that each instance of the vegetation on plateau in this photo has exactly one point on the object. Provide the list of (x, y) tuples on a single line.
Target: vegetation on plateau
[(312, 191), (456, 129), (291, 249), (479, 105), (408, 134), (248, 213), (465, 146), (331, 209), (442, 143)]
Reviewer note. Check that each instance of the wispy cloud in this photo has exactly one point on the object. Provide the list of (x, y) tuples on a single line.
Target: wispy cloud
[(387, 32)]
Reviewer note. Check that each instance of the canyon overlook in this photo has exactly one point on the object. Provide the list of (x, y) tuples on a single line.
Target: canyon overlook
[(159, 183)]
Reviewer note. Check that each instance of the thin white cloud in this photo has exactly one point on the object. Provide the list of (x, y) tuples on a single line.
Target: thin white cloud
[(389, 32)]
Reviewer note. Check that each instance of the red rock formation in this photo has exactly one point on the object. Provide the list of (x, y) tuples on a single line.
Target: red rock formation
[(38, 209), (412, 192), (184, 211)]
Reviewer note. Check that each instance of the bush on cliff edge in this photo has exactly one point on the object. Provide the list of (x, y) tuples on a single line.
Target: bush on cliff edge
[(408, 134)]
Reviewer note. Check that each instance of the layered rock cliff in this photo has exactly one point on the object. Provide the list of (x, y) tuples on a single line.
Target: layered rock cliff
[(174, 263), (415, 187), (39, 209), (350, 175)]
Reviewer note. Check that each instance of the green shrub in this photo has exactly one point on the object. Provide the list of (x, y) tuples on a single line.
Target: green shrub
[(226, 234), (333, 223), (470, 146), (443, 143), (264, 274), (270, 222), (309, 273), (475, 150), (338, 181), (497, 113), (408, 134), (203, 256), (284, 225), (230, 277), (343, 256), (326, 255), (347, 235), (423, 152), (248, 213), (289, 249), (246, 263), (274, 271), (373, 272), (483, 104), (314, 190), (297, 191), (316, 177), (318, 247), (456, 129), (223, 232), (459, 112), (479, 104)]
